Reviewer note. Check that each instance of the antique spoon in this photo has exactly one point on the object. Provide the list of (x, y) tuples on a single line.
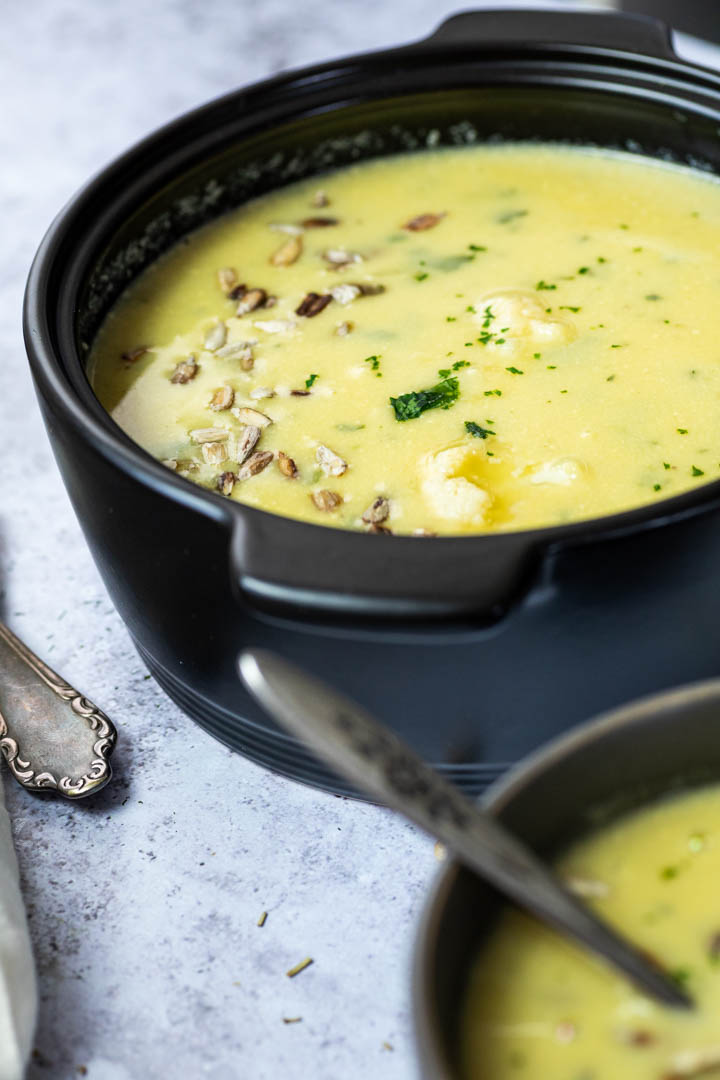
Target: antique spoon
[(383, 766), (51, 736)]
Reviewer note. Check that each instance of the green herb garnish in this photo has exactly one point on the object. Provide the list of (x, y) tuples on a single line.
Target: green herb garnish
[(478, 430), (421, 275), (696, 471), (311, 379), (514, 371), (544, 285), (492, 393), (510, 215), (441, 396)]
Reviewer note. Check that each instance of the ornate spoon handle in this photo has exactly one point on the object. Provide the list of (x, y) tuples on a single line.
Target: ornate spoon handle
[(51, 736)]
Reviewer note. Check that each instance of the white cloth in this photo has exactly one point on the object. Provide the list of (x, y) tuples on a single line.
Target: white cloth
[(18, 994)]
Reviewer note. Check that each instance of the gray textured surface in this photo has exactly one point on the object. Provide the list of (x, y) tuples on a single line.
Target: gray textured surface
[(143, 903)]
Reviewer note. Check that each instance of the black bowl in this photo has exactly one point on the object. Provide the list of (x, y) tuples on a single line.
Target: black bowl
[(601, 770), (457, 642)]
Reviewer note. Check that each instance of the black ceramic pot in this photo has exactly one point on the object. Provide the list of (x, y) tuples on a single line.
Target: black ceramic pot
[(604, 769), (475, 648)]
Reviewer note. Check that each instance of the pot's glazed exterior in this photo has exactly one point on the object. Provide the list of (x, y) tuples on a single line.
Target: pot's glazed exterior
[(475, 648), (613, 765)]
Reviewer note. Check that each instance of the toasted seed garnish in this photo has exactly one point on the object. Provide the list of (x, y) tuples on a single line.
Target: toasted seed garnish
[(422, 222), (423, 532), (186, 465), (380, 530), (288, 253), (225, 483), (170, 463), (255, 464), (344, 328), (320, 198), (253, 298), (338, 257), (587, 887), (246, 415), (247, 443), (261, 392), (326, 500), (330, 462), (227, 279), (209, 434), (291, 230), (276, 326), (300, 393), (319, 222), (214, 453), (240, 351), (134, 354), (313, 304), (185, 370), (238, 291), (368, 288), (222, 399), (270, 302), (263, 918), (291, 1019), (345, 294), (286, 465), (215, 337), (377, 511)]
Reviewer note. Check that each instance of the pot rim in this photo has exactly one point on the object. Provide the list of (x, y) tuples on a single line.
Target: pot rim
[(94, 424), (499, 795)]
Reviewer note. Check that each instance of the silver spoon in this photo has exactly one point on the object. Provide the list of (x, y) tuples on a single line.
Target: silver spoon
[(383, 766)]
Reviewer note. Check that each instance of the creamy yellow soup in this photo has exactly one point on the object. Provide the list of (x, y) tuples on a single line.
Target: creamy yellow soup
[(463, 340), (540, 1009)]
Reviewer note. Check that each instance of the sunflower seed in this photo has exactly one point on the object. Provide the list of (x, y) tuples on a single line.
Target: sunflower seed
[(330, 462), (255, 464), (215, 337), (377, 511), (288, 253), (423, 221), (170, 463), (319, 222), (227, 279), (209, 434), (338, 257), (185, 370), (237, 292), (276, 326), (222, 399), (320, 199), (368, 288), (252, 299), (214, 453), (379, 530), (261, 392), (313, 304), (186, 466), (134, 354), (247, 443), (286, 465), (326, 500), (291, 230), (344, 328), (225, 483), (247, 415), (345, 294)]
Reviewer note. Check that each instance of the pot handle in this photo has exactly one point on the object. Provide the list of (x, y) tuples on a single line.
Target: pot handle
[(630, 33), (293, 570)]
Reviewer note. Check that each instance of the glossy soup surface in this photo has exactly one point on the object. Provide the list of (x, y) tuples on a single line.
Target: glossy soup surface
[(455, 341), (539, 1009)]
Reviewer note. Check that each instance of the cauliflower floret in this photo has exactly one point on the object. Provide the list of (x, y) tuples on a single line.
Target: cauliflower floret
[(518, 314), (562, 471), (449, 487)]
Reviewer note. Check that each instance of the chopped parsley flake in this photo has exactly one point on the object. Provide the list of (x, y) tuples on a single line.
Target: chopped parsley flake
[(584, 270), (544, 285), (488, 317), (493, 393), (666, 465), (510, 215), (441, 396), (374, 362), (551, 367), (567, 307), (450, 318), (610, 378), (310, 380), (471, 309), (514, 371), (421, 275), (669, 872), (696, 471), (477, 247), (657, 487), (682, 430), (478, 430)]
